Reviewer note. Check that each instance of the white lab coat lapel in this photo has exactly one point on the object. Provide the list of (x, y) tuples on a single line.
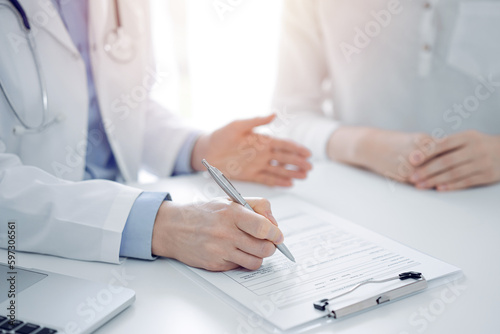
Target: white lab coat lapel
[(122, 97), (43, 15), (63, 151)]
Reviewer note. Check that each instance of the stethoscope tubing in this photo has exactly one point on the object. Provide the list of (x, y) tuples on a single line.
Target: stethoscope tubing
[(16, 8), (32, 45)]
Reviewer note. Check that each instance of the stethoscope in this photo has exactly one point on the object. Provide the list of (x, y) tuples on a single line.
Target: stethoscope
[(117, 44)]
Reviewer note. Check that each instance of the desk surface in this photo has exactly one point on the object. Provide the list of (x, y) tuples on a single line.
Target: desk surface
[(462, 228)]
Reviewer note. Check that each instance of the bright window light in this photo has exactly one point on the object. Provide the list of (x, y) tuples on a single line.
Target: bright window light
[(225, 56)]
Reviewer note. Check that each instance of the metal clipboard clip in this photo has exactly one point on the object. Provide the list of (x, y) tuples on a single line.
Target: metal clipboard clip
[(418, 283)]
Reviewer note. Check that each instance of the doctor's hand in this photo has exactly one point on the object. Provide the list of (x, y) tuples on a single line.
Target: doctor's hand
[(218, 235), (460, 161), (242, 154)]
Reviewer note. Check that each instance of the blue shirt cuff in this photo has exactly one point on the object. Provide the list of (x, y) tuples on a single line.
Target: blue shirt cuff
[(183, 161), (138, 232)]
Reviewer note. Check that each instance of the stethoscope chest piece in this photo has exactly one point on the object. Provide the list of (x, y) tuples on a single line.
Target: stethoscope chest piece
[(119, 45)]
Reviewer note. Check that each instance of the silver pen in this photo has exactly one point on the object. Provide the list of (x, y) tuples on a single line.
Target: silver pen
[(231, 191)]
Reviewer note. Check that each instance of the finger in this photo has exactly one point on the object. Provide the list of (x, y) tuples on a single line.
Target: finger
[(256, 247), (417, 158), (263, 207), (273, 180), (249, 124), (260, 227), (290, 146), (441, 164), (222, 265), (455, 173), (425, 146), (444, 145), (244, 259), (286, 158), (283, 172), (467, 182)]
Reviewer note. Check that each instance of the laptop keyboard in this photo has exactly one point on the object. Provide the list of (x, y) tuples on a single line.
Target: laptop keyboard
[(20, 327)]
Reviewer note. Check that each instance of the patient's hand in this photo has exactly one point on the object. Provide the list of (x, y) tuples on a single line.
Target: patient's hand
[(460, 161), (244, 155), (389, 153), (217, 235)]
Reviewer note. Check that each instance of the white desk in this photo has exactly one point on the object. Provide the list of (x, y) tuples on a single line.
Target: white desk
[(462, 228)]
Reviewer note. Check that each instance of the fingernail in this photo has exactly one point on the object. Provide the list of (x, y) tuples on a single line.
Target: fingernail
[(280, 239)]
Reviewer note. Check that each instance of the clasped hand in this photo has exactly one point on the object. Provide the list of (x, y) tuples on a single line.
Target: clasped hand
[(458, 161)]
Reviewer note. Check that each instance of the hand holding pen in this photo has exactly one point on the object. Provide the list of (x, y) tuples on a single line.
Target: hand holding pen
[(217, 235), (231, 191)]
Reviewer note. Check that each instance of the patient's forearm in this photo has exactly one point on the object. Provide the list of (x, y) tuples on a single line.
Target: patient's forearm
[(349, 144)]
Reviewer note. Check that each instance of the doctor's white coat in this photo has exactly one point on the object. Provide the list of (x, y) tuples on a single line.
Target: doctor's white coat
[(40, 173)]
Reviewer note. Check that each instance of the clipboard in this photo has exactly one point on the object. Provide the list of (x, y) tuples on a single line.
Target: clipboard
[(417, 283), (346, 294)]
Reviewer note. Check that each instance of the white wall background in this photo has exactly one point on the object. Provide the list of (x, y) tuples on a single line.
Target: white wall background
[(225, 57)]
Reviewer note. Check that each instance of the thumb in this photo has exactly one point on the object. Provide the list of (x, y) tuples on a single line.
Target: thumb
[(249, 124)]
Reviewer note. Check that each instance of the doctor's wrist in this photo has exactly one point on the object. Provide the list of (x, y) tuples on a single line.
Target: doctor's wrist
[(199, 153), (159, 243)]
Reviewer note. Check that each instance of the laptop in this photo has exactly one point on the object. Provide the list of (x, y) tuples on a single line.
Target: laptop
[(46, 303)]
